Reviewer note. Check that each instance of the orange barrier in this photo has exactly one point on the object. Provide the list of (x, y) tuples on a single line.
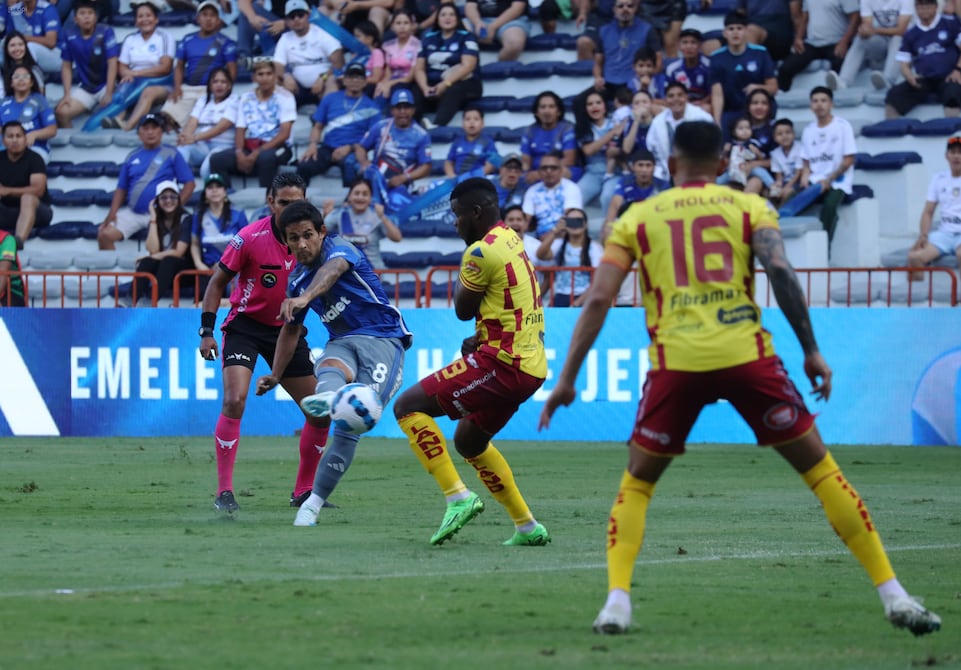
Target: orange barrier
[(847, 285), (395, 286), (60, 285), (198, 294)]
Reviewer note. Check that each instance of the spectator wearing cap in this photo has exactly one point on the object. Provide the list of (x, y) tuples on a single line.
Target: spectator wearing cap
[(147, 53), (474, 153), (395, 152), (24, 200), (637, 186), (265, 117), (142, 170), (825, 31), (736, 70), (546, 201), (616, 44), (306, 57), (340, 123), (447, 72), (214, 223), (944, 192), (883, 23), (210, 127), (930, 62), (92, 48), (502, 20), (660, 136), (168, 241), (260, 21), (26, 104), (510, 187), (39, 23), (693, 69)]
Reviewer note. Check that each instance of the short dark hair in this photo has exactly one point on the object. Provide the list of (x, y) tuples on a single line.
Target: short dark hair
[(510, 208), (285, 179), (623, 95), (302, 210), (554, 153), (558, 100), (784, 122), (691, 32), (736, 120), (472, 108), (12, 124), (476, 190), (674, 84), (735, 18), (645, 53), (642, 154), (821, 89), (699, 141)]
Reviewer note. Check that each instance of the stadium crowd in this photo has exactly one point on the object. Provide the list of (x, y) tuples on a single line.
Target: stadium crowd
[(383, 75)]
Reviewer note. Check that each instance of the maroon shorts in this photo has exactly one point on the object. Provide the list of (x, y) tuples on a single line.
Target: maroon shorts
[(760, 391), (480, 388)]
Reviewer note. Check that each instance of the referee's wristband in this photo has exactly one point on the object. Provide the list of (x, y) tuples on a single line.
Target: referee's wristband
[(208, 320)]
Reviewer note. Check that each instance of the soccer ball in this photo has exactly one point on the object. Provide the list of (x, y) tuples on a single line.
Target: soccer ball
[(356, 409)]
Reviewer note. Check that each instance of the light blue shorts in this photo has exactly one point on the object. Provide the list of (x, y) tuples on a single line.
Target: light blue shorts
[(946, 242)]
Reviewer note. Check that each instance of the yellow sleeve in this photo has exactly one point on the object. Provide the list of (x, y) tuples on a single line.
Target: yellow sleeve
[(624, 235), (764, 215), (475, 269)]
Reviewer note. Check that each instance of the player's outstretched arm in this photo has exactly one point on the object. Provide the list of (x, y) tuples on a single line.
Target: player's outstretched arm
[(326, 277), (604, 287), (769, 249)]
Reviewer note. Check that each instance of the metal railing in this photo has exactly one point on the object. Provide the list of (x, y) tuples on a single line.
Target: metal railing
[(52, 288)]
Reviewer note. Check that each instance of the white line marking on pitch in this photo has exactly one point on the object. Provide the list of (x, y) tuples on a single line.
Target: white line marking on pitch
[(748, 556)]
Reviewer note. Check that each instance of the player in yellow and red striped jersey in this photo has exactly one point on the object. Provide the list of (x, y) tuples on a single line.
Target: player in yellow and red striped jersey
[(503, 364), (695, 247)]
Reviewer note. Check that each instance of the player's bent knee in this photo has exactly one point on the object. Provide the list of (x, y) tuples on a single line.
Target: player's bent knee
[(329, 378)]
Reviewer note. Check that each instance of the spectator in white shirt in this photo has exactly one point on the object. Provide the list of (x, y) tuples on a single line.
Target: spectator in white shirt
[(944, 193), (660, 136), (828, 148), (306, 56), (546, 201), (786, 162), (210, 127), (883, 22)]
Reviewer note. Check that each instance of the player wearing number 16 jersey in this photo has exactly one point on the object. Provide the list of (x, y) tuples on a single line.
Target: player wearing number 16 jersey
[(503, 364), (695, 246)]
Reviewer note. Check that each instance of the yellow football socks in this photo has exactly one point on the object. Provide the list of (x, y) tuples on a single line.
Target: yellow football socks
[(625, 530), (849, 517), (428, 444), (495, 473)]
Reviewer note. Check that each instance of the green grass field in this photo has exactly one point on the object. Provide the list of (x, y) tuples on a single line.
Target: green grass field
[(113, 557)]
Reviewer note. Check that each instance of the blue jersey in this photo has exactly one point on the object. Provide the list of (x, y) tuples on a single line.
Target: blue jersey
[(346, 120), (631, 191), (214, 233), (735, 72), (89, 54), (763, 135), (697, 79), (356, 304), (508, 196), (932, 51), (396, 149), (143, 169), (655, 88), (34, 113), (441, 54), (619, 44), (44, 19), (201, 55), (469, 155), (538, 141)]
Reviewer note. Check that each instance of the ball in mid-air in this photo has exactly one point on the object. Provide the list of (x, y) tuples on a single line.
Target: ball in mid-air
[(356, 408)]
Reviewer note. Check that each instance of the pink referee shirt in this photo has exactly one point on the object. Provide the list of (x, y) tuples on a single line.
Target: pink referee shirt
[(263, 265)]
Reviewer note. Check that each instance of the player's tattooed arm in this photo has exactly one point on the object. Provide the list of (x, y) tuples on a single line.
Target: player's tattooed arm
[(769, 249)]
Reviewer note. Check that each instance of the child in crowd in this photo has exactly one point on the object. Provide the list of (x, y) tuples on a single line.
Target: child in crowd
[(642, 114), (361, 223), (367, 34), (741, 149), (786, 162), (623, 114), (472, 154), (647, 78)]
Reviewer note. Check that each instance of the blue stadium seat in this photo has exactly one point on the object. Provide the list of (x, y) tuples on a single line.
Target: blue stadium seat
[(409, 259), (521, 104), (103, 198), (848, 97), (140, 235), (891, 128), (175, 18), (54, 167), (445, 229), (581, 68), (493, 103), (81, 197), (444, 134), (416, 228), (859, 191), (537, 70), (937, 127), (112, 169), (406, 289), (796, 226), (452, 258), (550, 41), (85, 169), (498, 70), (87, 140), (437, 167), (891, 160), (65, 230), (793, 100), (510, 135)]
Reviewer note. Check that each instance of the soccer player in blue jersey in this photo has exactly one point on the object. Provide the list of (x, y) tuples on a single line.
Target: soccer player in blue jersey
[(471, 154), (366, 334), (93, 47)]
